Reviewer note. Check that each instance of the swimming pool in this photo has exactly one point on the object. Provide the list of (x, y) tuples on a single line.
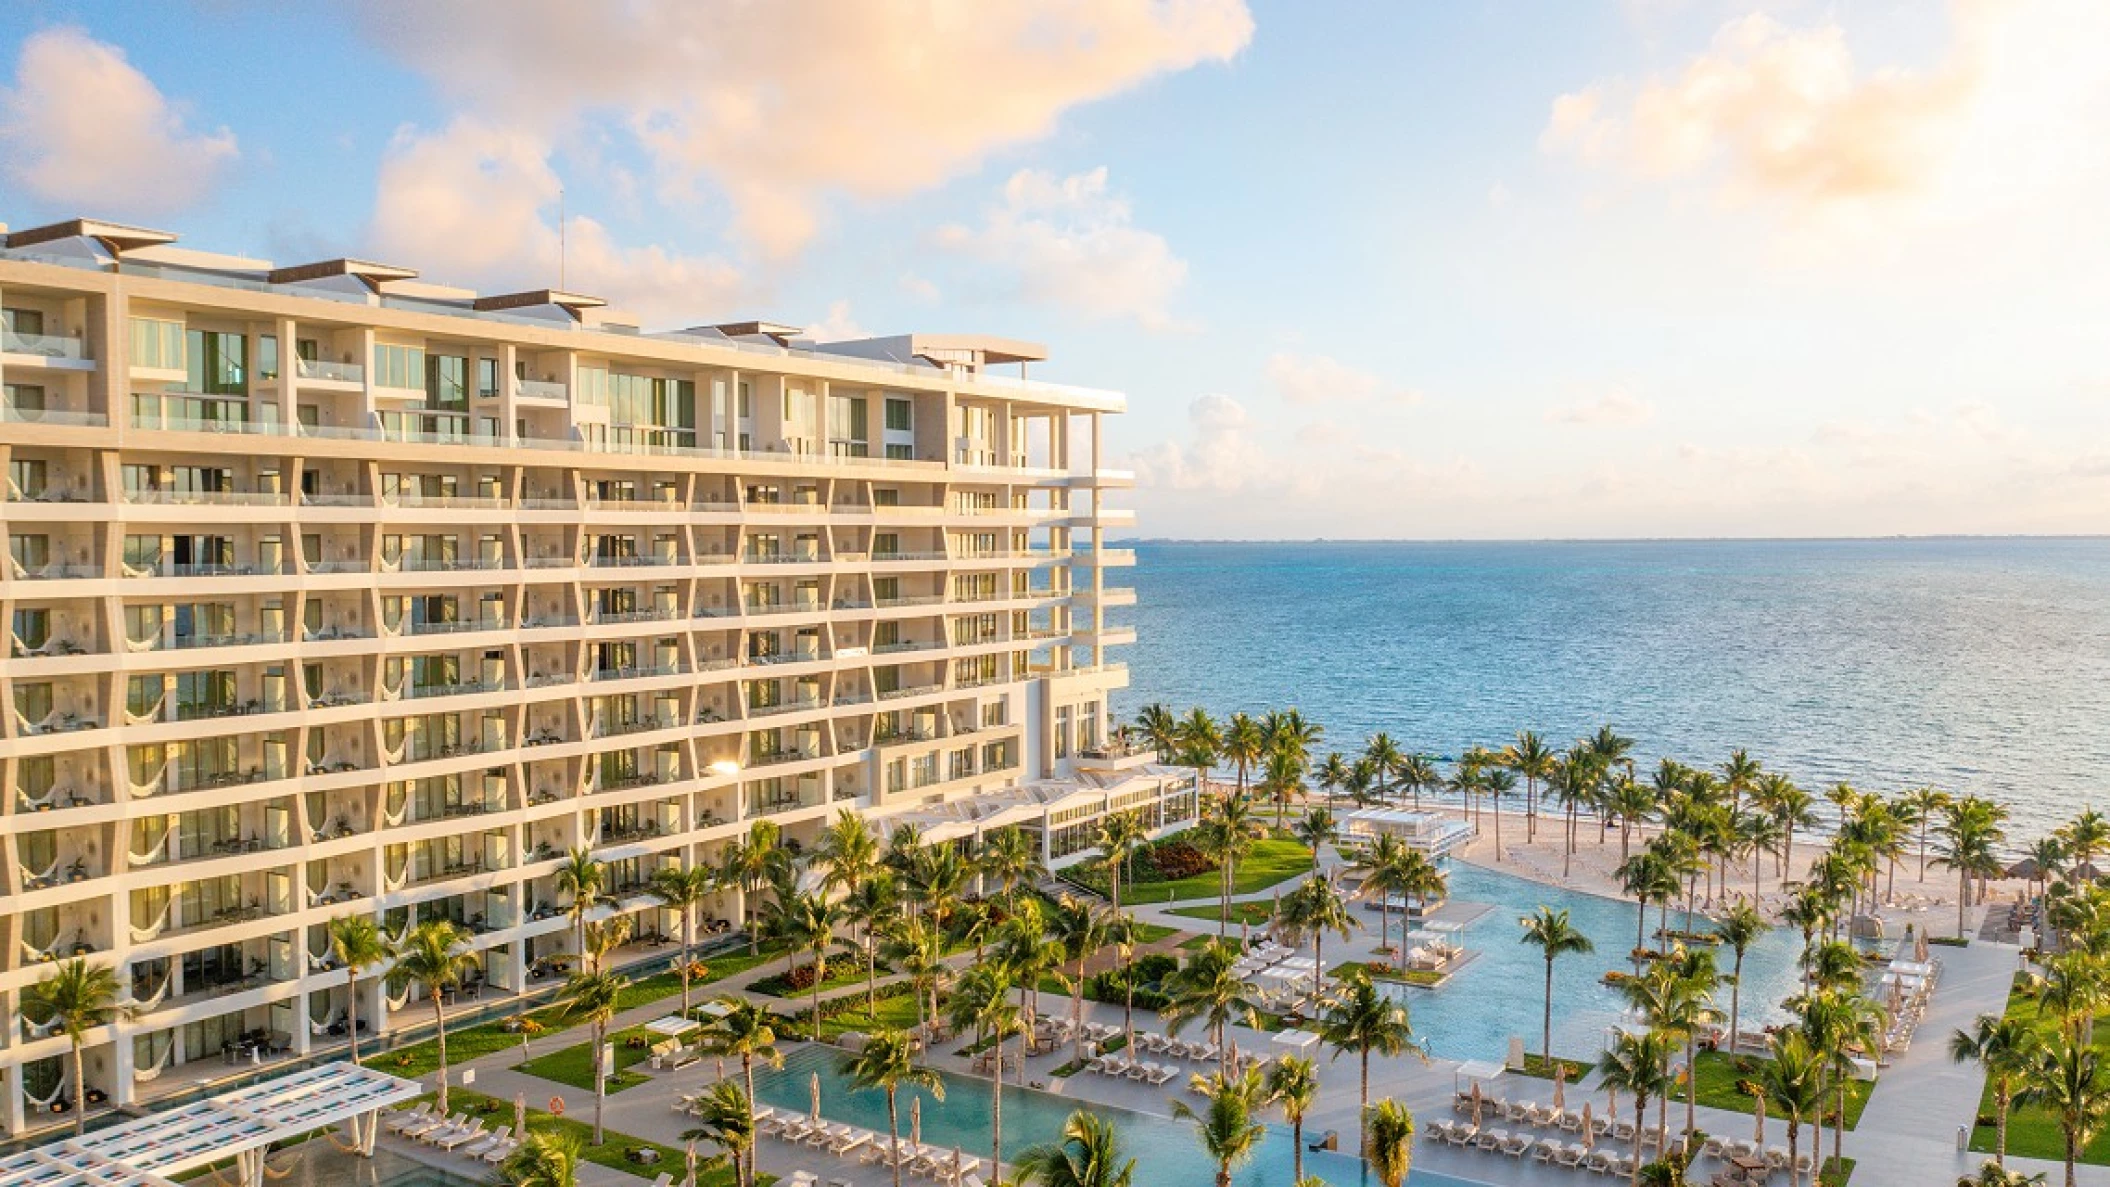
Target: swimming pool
[(1501, 991), (318, 1163), (1166, 1152)]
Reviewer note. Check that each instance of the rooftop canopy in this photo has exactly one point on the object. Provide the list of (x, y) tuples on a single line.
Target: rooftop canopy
[(151, 1151)]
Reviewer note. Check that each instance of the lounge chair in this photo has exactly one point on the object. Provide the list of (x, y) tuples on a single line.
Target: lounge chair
[(1163, 1073), (1490, 1139), (1597, 1160), (1570, 1155), (1515, 1145), (1460, 1135), (1777, 1157), (460, 1137), (1571, 1122), (488, 1140), (665, 1179), (398, 1120), (498, 1153), (1544, 1149), (430, 1123)]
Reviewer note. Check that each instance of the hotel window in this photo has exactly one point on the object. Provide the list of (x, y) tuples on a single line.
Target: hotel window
[(885, 544), (900, 453), (217, 363), (157, 344), (885, 589), (399, 366), (26, 478), (33, 701), (30, 552), (25, 397), (886, 496), (900, 415), (886, 634), (1062, 732), (846, 427), (993, 713), (446, 381), (487, 379), (267, 356), (22, 321), (32, 629)]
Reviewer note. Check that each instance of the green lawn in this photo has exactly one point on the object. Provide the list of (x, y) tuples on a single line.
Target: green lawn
[(841, 971), (1272, 860), (1151, 933), (488, 1038), (1536, 1066), (2032, 1132), (1718, 1075), (1386, 972), (896, 1012), (1835, 1173), (573, 1065), (1253, 914), (610, 1153)]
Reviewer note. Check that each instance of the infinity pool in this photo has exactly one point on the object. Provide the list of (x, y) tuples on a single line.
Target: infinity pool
[(1501, 991), (1166, 1152)]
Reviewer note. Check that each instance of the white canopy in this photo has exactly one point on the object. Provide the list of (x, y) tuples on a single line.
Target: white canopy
[(1481, 1069), (671, 1025), (1300, 1039)]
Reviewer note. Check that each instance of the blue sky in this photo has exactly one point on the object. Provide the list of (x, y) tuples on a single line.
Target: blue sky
[(1458, 269)]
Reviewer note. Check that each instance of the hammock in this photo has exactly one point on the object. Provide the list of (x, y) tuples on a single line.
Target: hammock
[(153, 712), (144, 1074), (31, 802), (156, 852), (141, 935), (154, 999), (394, 816), (396, 1003), (46, 872), (57, 1090)]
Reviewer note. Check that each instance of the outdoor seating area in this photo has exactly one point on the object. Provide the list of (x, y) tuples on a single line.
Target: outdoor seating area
[(458, 1134), (1551, 1133)]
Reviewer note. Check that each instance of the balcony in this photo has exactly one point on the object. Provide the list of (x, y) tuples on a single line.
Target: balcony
[(43, 346), (51, 416), (456, 627), (637, 673), (330, 372), (799, 705), (467, 688), (539, 389)]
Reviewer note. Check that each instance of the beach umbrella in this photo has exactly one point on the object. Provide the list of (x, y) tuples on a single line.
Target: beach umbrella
[(520, 1114), (1611, 1100), (690, 1181), (915, 1122), (816, 1096), (1589, 1131), (1758, 1133), (1560, 1087), (2027, 869), (1919, 947), (958, 1159), (1476, 1104)]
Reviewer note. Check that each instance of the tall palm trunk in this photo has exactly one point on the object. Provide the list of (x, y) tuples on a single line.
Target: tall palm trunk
[(1546, 1038), (688, 948), (996, 1116), (439, 1024), (1692, 1079), (600, 1077), (80, 1090), (351, 1011), (754, 1154), (893, 1128), (1640, 1126)]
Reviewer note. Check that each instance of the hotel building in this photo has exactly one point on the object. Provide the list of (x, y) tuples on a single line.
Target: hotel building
[(330, 589)]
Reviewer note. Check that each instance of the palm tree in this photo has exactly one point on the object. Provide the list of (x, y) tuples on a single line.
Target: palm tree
[(1229, 1127), (1206, 987), (2085, 836), (1365, 1021), (1532, 760), (1391, 1136), (1079, 926), (1969, 829), (1243, 746), (869, 907), (1315, 828), (1293, 1082), (746, 1031), (1792, 1082), (356, 944), (979, 1004), (1333, 775), (1739, 928), (1638, 1064), (593, 997), (1382, 863), (2067, 1080), (1555, 937), (2007, 1049), (1419, 774), (1795, 809), (1922, 805), (887, 1062), (1314, 908), (543, 1160), (1497, 782), (436, 955), (1120, 835), (1089, 1155), (847, 852), (803, 922), (1282, 779), (1123, 931), (1159, 728), (1836, 1022), (916, 948), (725, 1118), (1226, 832), (80, 997), (1200, 745), (1385, 759), (583, 879), (1991, 1174), (758, 860), (684, 888), (1011, 858)]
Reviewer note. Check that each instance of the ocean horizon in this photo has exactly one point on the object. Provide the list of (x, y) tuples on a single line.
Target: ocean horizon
[(1976, 664)]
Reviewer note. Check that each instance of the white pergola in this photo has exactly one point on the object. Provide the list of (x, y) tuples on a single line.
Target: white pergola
[(151, 1151)]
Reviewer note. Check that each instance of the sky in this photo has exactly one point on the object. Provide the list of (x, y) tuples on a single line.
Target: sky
[(1418, 269)]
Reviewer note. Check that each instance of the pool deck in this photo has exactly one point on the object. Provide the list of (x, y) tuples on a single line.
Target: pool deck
[(1907, 1135)]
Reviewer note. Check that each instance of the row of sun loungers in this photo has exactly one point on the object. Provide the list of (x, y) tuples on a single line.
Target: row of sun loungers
[(1614, 1133), (460, 1134), (1606, 1160), (1123, 1068), (845, 1141)]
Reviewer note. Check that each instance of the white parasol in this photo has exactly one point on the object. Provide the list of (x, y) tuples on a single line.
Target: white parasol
[(816, 1096), (915, 1122)]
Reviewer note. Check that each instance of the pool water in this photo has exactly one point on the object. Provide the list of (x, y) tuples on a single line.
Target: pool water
[(1167, 1153), (1501, 991), (318, 1163)]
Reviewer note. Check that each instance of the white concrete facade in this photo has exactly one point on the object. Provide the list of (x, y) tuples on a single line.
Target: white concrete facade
[(333, 590)]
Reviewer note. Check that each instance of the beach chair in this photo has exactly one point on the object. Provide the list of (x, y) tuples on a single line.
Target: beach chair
[(430, 1123), (1712, 1147), (1515, 1145), (1570, 1155), (1777, 1157), (1163, 1073), (499, 1152), (460, 1137), (488, 1140), (1460, 1135), (665, 1179), (1490, 1139), (1571, 1122), (1544, 1149), (1597, 1160), (403, 1118)]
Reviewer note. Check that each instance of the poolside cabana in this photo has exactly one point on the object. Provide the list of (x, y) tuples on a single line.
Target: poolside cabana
[(1476, 1071), (152, 1151), (1432, 835)]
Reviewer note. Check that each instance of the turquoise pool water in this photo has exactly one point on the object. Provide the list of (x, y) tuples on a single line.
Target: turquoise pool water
[(1501, 992), (1165, 1150)]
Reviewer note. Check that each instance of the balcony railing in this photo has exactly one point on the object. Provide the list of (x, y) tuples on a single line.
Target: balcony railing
[(538, 389), (50, 346), (51, 416), (332, 372)]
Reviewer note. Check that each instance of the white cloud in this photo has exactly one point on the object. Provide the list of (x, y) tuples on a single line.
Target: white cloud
[(1786, 113), (469, 204), (82, 126), (1069, 242), (1321, 379), (1617, 408), (918, 287), (1221, 454), (779, 105), (838, 326)]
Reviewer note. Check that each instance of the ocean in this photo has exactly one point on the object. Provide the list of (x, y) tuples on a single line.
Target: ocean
[(1975, 665)]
